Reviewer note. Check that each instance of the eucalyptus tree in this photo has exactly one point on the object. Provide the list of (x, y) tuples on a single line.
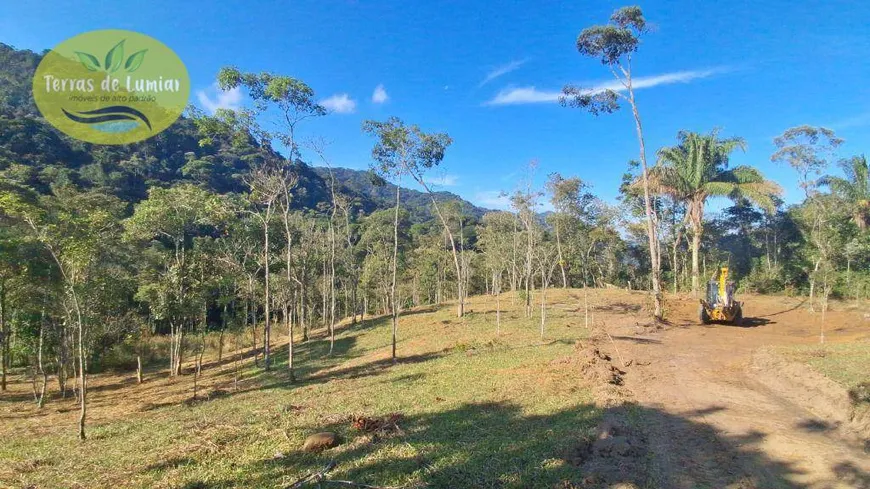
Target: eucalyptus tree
[(497, 243), (237, 253), (16, 202), (384, 239), (81, 231), (525, 204), (614, 44), (350, 237), (573, 205), (546, 259), (268, 184), (406, 150), (807, 150), (304, 265), (697, 169), (282, 102), (170, 219), (292, 99), (454, 212), (318, 147)]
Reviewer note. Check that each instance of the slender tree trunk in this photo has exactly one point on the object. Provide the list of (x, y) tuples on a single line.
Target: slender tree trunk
[(395, 306), (561, 259), (198, 366), (179, 348), (267, 332), (497, 290), (62, 360), (460, 307), (138, 369), (83, 381), (655, 261), (41, 368), (696, 251), (4, 336), (331, 283), (288, 312), (543, 302)]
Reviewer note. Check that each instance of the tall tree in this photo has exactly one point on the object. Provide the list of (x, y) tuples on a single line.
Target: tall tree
[(697, 169), (294, 101), (81, 232), (614, 44), (170, 218), (571, 201), (497, 245), (406, 150), (807, 150)]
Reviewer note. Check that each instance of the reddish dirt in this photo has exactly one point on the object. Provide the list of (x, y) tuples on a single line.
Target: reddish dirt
[(715, 407)]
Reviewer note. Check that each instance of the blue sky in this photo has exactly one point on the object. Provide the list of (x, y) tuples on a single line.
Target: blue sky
[(486, 72)]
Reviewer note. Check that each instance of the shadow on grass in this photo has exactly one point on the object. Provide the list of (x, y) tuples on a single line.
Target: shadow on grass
[(498, 445)]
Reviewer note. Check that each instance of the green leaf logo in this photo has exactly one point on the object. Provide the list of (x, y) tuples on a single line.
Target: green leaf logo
[(115, 57), (78, 87), (89, 60), (135, 61)]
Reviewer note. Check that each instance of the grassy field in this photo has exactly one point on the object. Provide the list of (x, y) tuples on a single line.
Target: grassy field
[(846, 363), (479, 410)]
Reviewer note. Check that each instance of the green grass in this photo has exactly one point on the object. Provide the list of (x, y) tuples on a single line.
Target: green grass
[(846, 363), (479, 411)]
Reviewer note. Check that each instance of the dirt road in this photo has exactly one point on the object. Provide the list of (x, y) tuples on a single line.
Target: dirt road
[(718, 410)]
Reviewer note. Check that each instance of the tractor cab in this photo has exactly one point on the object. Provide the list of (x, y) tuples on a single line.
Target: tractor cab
[(720, 304)]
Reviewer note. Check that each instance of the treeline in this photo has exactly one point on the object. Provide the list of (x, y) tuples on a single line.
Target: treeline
[(206, 228)]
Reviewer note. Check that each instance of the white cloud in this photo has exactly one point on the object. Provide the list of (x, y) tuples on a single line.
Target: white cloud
[(531, 95), (524, 95), (492, 199), (340, 103), (501, 71), (380, 96), (445, 180), (231, 99), (860, 120)]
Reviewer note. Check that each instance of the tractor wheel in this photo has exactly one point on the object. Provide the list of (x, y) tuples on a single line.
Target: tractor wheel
[(738, 316), (703, 317)]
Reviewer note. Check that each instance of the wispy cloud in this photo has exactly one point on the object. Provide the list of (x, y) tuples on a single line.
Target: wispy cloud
[(492, 199), (380, 96), (231, 99), (502, 70), (859, 120), (340, 103), (445, 180), (531, 95)]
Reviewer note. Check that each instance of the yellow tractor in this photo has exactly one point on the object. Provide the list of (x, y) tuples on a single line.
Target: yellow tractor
[(720, 304)]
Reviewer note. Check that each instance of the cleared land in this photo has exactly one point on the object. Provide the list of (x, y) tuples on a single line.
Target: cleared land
[(624, 401)]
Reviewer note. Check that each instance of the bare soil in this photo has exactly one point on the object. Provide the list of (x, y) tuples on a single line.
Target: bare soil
[(714, 406)]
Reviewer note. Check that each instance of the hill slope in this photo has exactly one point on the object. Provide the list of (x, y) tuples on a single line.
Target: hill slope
[(34, 154)]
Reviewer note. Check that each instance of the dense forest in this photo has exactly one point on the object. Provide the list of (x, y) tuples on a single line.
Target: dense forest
[(207, 228)]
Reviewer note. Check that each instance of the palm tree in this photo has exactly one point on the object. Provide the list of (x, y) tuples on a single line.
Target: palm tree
[(855, 189), (697, 168)]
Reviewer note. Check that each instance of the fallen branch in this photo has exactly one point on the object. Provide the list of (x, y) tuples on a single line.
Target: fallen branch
[(621, 361), (357, 484), (313, 477)]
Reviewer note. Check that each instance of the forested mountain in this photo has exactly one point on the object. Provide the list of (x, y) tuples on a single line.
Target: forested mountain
[(34, 154), (379, 194)]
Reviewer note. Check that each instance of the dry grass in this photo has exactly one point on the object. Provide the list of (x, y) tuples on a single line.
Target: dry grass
[(479, 410)]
